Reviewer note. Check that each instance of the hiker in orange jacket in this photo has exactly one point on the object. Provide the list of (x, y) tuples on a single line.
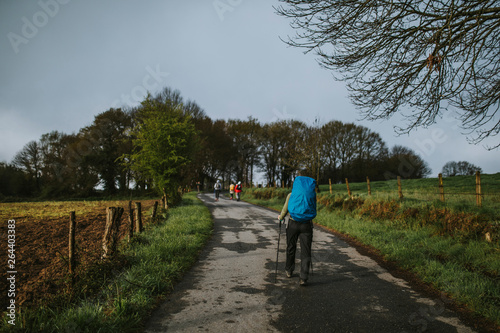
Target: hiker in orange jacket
[(231, 190)]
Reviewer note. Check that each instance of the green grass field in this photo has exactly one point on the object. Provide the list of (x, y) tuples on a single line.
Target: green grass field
[(459, 191)]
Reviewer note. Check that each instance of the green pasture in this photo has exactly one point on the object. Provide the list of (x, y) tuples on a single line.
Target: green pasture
[(459, 191)]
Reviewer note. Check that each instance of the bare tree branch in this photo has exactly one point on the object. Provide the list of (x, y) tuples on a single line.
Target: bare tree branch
[(426, 55)]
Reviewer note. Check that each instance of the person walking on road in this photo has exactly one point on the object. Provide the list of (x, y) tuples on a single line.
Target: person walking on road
[(301, 204), (231, 190), (238, 190), (217, 188)]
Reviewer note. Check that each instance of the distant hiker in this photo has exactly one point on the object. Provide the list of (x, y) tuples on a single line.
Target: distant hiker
[(301, 204), (231, 190), (238, 190), (217, 188)]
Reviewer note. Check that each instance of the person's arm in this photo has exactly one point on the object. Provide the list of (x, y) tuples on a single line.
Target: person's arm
[(284, 211)]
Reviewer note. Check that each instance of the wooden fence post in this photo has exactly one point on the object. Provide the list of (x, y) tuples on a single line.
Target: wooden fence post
[(138, 217), (330, 182), (71, 247), (155, 208), (348, 189), (400, 190), (110, 238), (130, 221), (165, 200), (479, 199), (368, 185), (441, 187)]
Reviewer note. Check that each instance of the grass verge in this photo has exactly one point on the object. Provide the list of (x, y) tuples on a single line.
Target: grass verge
[(156, 259)]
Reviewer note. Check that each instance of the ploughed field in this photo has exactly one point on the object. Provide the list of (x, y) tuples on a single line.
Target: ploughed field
[(41, 244)]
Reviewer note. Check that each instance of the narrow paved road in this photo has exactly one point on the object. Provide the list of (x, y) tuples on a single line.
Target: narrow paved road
[(232, 288)]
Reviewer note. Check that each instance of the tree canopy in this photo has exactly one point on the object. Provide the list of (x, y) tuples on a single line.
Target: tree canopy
[(426, 56), (163, 143)]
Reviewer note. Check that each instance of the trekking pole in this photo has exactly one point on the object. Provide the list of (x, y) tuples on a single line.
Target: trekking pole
[(312, 272), (277, 251)]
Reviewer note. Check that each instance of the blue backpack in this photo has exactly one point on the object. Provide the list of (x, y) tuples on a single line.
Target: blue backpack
[(302, 202)]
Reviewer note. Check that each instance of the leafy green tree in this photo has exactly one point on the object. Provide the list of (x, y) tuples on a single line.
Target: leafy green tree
[(163, 144)]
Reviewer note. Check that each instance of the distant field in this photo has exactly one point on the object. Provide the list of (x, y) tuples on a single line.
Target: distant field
[(34, 211)]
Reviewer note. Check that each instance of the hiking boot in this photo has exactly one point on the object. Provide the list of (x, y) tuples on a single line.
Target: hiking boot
[(303, 282)]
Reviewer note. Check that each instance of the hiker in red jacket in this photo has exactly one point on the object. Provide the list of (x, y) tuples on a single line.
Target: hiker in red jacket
[(301, 204), (238, 190)]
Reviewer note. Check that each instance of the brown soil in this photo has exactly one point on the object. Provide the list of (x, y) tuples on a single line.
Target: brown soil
[(41, 251)]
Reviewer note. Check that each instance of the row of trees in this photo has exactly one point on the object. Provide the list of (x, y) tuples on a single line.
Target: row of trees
[(166, 143), (461, 168)]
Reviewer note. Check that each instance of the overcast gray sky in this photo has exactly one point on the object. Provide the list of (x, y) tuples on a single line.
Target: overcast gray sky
[(65, 61)]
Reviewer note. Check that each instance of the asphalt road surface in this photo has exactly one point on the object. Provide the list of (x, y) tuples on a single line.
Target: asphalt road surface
[(232, 288)]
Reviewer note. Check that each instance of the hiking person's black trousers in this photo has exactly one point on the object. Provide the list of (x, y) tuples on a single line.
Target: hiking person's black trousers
[(303, 231)]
